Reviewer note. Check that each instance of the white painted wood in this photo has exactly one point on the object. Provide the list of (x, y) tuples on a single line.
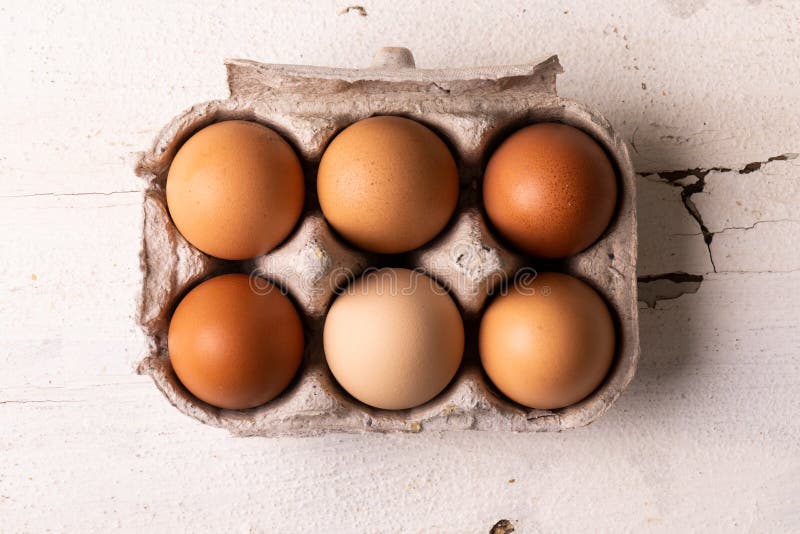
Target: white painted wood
[(706, 438)]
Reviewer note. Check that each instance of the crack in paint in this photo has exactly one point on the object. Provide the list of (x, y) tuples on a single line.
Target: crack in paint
[(743, 228), (746, 228), (37, 401), (676, 179), (668, 286), (81, 194), (756, 165)]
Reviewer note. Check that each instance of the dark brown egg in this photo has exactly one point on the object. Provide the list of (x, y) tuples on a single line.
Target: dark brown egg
[(550, 190), (234, 344)]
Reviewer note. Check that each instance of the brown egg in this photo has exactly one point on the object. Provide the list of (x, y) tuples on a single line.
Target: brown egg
[(394, 339), (550, 190), (547, 343), (235, 190), (235, 345), (387, 184)]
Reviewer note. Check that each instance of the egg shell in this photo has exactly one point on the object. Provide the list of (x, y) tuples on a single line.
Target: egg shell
[(474, 109), (394, 339), (550, 190), (235, 342), (235, 189), (547, 343), (387, 184)]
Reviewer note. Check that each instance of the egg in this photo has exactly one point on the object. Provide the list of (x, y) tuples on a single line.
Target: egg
[(234, 342), (394, 339), (547, 343), (387, 184), (550, 190), (235, 189)]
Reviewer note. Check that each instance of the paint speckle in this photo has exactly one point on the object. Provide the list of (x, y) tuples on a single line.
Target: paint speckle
[(355, 9), (504, 526)]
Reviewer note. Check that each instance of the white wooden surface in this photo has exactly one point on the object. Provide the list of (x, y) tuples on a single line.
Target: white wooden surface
[(706, 439)]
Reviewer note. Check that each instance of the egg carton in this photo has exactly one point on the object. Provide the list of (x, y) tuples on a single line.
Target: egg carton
[(472, 109)]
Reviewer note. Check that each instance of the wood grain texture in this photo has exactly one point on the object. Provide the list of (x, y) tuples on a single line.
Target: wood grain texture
[(705, 439)]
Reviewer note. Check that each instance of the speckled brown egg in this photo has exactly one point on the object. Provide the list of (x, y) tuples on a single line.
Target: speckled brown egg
[(235, 342), (387, 184), (547, 343), (235, 189), (394, 339), (550, 190)]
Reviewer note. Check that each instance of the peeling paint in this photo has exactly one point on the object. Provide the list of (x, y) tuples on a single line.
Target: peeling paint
[(667, 286)]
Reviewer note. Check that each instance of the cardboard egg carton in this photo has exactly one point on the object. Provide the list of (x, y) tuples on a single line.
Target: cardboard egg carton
[(473, 110)]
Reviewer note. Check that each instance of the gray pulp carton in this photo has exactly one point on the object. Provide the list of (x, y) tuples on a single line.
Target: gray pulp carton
[(473, 109)]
